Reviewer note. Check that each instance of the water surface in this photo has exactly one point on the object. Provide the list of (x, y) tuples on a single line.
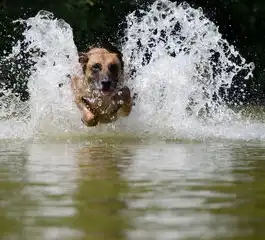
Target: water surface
[(114, 188)]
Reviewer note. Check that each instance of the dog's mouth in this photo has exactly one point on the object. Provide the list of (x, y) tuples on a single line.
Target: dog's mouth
[(106, 86)]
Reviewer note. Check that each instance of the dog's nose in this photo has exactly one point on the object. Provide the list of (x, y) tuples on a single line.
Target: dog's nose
[(106, 85)]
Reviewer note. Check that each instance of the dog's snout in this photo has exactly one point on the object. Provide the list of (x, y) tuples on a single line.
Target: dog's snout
[(106, 84)]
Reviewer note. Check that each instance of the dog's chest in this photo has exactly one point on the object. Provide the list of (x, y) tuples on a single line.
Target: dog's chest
[(103, 104)]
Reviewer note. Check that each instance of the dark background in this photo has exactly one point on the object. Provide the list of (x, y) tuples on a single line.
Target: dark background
[(242, 22)]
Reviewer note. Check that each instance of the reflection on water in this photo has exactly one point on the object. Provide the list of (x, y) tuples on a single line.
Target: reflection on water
[(131, 190), (101, 192)]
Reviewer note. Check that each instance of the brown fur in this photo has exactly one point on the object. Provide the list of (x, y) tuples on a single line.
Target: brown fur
[(96, 104)]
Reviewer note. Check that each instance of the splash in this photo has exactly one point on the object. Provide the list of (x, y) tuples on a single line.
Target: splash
[(178, 64), (50, 46), (182, 69)]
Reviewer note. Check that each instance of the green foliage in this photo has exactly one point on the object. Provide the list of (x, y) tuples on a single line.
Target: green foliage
[(90, 19)]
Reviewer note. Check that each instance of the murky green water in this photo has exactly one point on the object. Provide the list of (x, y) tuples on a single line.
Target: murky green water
[(131, 189)]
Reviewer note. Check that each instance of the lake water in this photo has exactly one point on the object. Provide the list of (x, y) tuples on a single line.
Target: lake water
[(117, 187)]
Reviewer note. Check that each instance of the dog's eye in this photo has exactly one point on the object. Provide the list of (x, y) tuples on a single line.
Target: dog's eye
[(113, 68), (96, 67)]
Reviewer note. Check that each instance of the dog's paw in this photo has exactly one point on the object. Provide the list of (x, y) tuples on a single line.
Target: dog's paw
[(91, 123), (88, 118), (122, 96)]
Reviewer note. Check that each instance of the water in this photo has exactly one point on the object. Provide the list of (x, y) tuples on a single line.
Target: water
[(183, 165), (124, 189)]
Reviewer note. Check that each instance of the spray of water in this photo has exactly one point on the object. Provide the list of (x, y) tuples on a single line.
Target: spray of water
[(49, 44), (179, 62)]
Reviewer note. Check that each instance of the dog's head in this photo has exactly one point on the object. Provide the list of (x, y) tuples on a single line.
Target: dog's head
[(102, 67)]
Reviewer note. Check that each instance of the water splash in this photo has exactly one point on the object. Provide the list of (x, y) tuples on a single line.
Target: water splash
[(49, 44), (179, 62)]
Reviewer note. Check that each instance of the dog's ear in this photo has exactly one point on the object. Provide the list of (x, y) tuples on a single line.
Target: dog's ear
[(91, 47), (110, 47), (120, 57), (83, 59)]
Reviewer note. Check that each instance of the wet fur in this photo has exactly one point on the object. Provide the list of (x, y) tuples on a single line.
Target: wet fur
[(96, 107)]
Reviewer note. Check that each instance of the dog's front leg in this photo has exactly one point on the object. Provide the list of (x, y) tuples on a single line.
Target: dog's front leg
[(126, 106), (88, 118)]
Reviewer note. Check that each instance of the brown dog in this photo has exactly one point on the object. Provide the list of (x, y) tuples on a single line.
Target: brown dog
[(99, 93)]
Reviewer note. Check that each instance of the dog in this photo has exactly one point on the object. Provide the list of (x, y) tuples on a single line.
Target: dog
[(100, 93)]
